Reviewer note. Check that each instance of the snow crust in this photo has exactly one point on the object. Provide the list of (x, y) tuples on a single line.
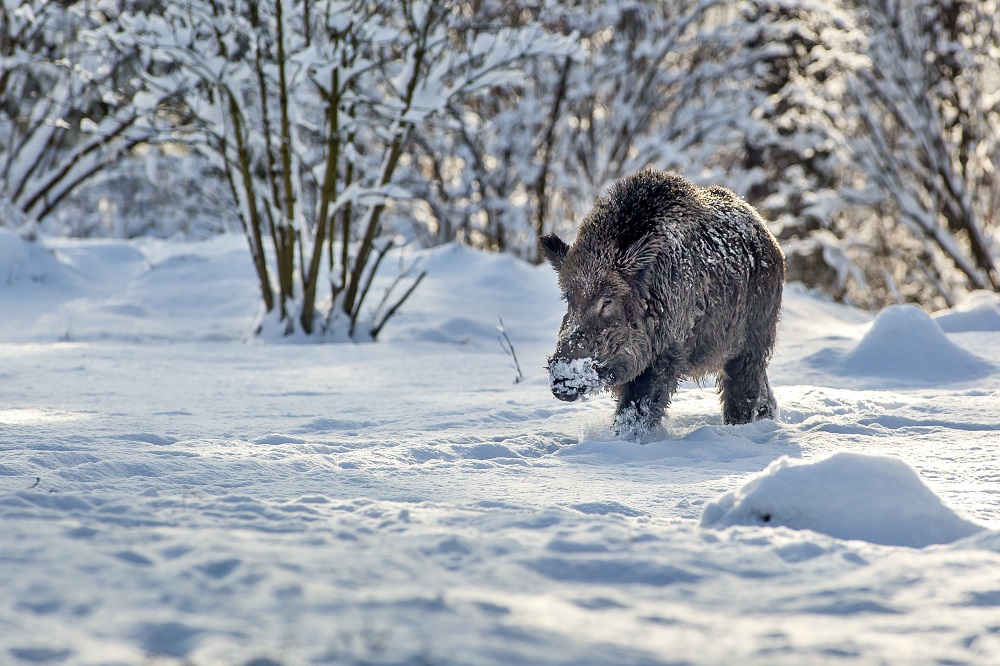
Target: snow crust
[(174, 491)]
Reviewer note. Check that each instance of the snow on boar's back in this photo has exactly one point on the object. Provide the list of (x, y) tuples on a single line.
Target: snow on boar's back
[(667, 280)]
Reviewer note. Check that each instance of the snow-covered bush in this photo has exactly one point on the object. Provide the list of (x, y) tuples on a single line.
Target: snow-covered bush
[(876, 143), (65, 101), (666, 84), (927, 143), (309, 109), (331, 129), (158, 190)]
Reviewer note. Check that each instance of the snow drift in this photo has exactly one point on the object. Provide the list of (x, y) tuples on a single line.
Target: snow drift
[(879, 499), (25, 260)]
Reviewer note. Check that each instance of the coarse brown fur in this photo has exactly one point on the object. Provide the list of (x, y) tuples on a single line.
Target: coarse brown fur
[(665, 281)]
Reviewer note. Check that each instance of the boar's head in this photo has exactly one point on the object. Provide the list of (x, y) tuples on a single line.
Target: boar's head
[(606, 337)]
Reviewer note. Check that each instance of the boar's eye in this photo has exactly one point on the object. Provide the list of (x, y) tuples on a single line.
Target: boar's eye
[(607, 303)]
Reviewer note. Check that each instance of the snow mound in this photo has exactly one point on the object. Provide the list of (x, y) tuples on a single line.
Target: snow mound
[(25, 260), (879, 499), (904, 343), (978, 311)]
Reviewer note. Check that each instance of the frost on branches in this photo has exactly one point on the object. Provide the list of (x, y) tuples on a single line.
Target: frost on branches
[(867, 133), (927, 143), (309, 109), (65, 102)]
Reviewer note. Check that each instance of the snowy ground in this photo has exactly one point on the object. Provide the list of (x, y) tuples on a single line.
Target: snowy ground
[(172, 493)]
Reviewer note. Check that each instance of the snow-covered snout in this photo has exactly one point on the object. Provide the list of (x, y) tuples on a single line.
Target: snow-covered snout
[(602, 341), (598, 345), (571, 378)]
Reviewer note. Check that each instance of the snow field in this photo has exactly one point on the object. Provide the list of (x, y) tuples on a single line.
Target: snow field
[(173, 493)]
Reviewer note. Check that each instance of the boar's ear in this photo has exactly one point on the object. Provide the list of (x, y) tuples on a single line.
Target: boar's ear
[(640, 255), (553, 249)]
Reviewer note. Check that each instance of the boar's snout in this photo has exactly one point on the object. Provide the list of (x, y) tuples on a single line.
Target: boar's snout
[(564, 390), (571, 378)]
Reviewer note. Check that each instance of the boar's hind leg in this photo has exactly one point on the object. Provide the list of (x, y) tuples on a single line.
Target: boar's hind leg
[(746, 393), (641, 401)]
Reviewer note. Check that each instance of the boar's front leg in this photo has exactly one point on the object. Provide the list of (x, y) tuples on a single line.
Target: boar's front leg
[(641, 401), (746, 393)]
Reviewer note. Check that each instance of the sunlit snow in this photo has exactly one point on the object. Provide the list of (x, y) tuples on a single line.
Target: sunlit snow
[(173, 491)]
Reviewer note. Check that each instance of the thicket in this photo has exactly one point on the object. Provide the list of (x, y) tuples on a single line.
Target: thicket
[(331, 131)]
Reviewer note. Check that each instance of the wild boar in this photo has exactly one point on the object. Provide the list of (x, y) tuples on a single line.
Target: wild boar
[(667, 281)]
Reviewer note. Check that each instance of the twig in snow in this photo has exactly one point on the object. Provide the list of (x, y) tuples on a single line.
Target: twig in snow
[(508, 347), (37, 484)]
